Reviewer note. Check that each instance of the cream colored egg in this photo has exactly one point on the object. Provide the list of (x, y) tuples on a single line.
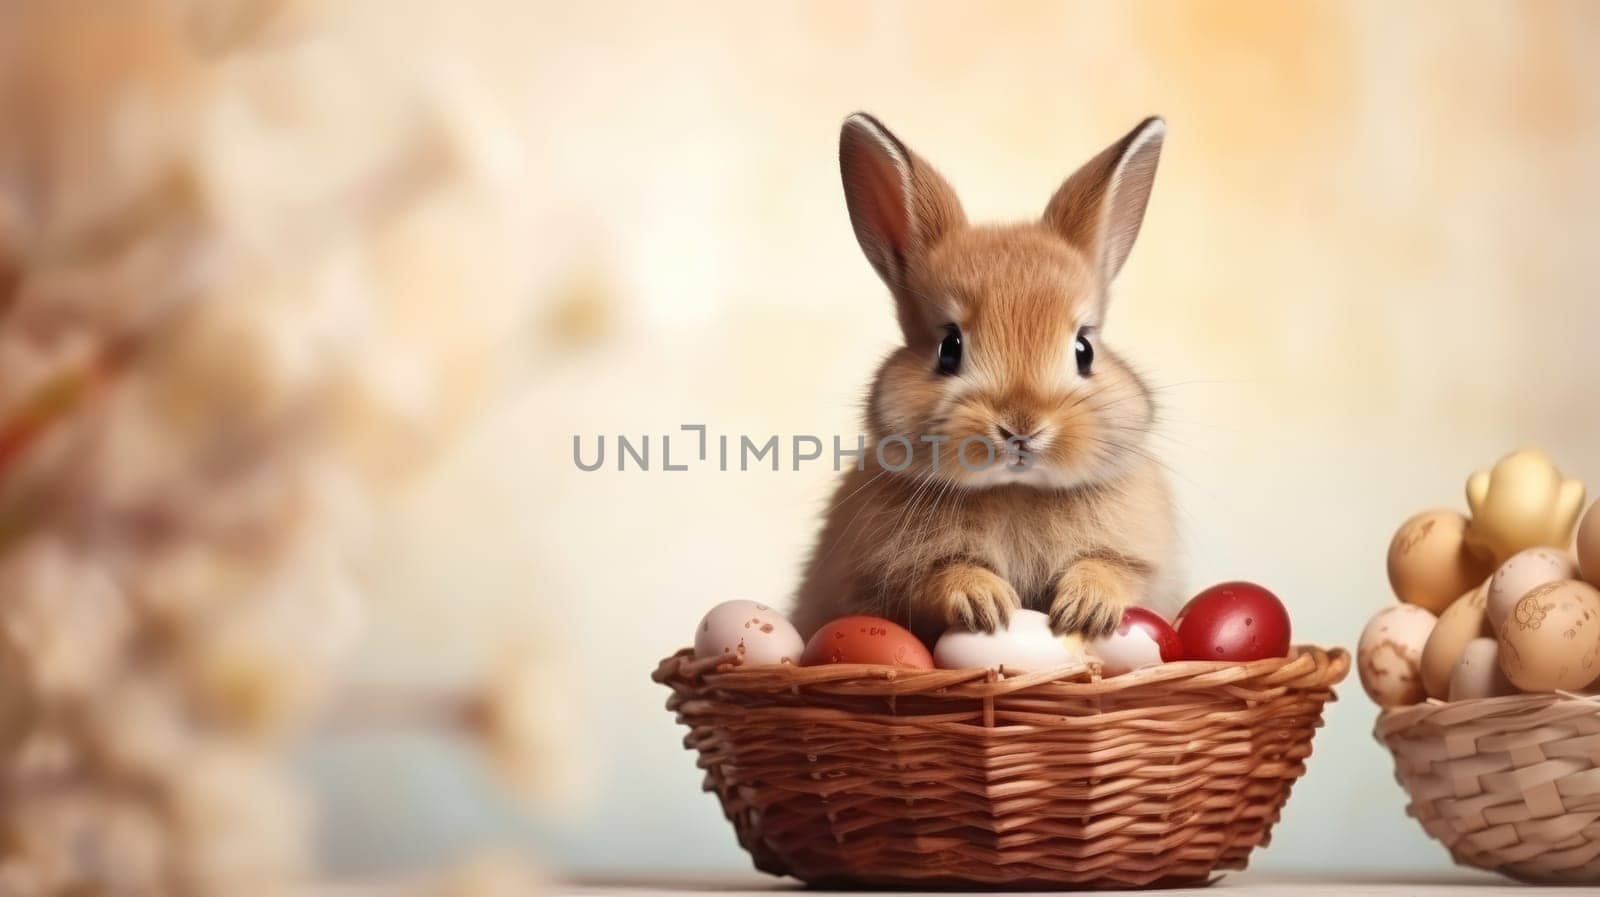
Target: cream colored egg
[(1588, 545), (1389, 655), (1477, 673), (750, 631), (1026, 645), (1551, 640), (1430, 562), (1517, 577), (1461, 622)]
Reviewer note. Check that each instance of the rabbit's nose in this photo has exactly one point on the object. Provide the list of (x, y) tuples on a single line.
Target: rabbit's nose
[(1007, 435)]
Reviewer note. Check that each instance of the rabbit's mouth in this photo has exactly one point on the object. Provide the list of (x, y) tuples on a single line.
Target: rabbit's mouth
[(1019, 459), (1021, 451)]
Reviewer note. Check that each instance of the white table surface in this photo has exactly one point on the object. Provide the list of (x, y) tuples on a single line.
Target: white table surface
[(1245, 884), (1465, 882)]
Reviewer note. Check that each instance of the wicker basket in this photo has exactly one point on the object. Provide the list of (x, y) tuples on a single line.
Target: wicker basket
[(867, 775), (1508, 784)]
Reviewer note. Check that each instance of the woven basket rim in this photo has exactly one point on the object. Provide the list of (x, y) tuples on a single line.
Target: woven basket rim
[(1548, 705), (1306, 666)]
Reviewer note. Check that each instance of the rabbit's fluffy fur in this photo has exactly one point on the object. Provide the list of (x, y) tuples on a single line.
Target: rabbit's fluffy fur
[(1083, 530)]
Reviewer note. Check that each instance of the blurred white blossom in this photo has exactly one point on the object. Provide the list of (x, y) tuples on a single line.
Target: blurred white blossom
[(248, 278)]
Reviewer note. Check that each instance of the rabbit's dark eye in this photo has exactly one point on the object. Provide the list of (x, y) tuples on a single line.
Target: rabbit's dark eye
[(1085, 352), (950, 350)]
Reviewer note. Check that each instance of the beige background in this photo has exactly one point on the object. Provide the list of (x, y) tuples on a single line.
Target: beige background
[(1368, 269)]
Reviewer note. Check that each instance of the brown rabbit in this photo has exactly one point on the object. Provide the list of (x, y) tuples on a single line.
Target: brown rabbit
[(1005, 362)]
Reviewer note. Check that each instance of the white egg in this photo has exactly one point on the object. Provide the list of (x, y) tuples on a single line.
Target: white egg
[(1521, 574), (1477, 673), (752, 632), (1125, 654), (1027, 645)]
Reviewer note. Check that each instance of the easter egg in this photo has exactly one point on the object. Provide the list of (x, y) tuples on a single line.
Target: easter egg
[(1235, 621), (1551, 639), (866, 639), (750, 631), (1142, 639), (1026, 645), (1588, 545), (1477, 673), (1431, 563), (1518, 576), (1461, 622), (1389, 654)]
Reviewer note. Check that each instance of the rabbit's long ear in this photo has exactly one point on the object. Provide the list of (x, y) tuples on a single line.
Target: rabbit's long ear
[(1099, 209), (899, 206)]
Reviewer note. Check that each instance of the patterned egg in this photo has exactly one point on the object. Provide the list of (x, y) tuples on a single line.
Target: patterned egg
[(1430, 562), (751, 632), (1026, 645), (1518, 576), (1389, 655), (1551, 639)]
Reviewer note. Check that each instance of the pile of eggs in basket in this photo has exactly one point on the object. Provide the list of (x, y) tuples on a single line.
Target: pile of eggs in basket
[(1494, 604), (1232, 621)]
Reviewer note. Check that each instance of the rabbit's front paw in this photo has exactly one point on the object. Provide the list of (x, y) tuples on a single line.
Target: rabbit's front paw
[(1091, 596), (974, 597)]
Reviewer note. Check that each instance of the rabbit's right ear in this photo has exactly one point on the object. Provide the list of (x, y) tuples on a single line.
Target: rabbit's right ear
[(1100, 207), (899, 206)]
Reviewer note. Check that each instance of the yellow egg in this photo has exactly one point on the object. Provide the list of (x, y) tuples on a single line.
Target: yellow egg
[(1522, 502), (1551, 640), (1390, 652), (1588, 546), (1430, 564), (1461, 622)]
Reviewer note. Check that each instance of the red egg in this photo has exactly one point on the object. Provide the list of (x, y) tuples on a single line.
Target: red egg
[(1234, 621), (865, 639), (1142, 639)]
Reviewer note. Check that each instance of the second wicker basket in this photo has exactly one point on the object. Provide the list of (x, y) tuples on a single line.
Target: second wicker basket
[(1508, 784)]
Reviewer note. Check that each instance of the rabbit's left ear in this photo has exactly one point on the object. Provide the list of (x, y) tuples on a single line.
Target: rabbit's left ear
[(900, 209), (1099, 209)]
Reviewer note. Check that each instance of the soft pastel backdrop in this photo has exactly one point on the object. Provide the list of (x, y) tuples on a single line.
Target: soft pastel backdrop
[(1368, 269)]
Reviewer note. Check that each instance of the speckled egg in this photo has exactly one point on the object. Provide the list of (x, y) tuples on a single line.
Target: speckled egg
[(1026, 645), (750, 631), (1551, 639), (1519, 575), (1430, 563), (1389, 655), (862, 638)]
